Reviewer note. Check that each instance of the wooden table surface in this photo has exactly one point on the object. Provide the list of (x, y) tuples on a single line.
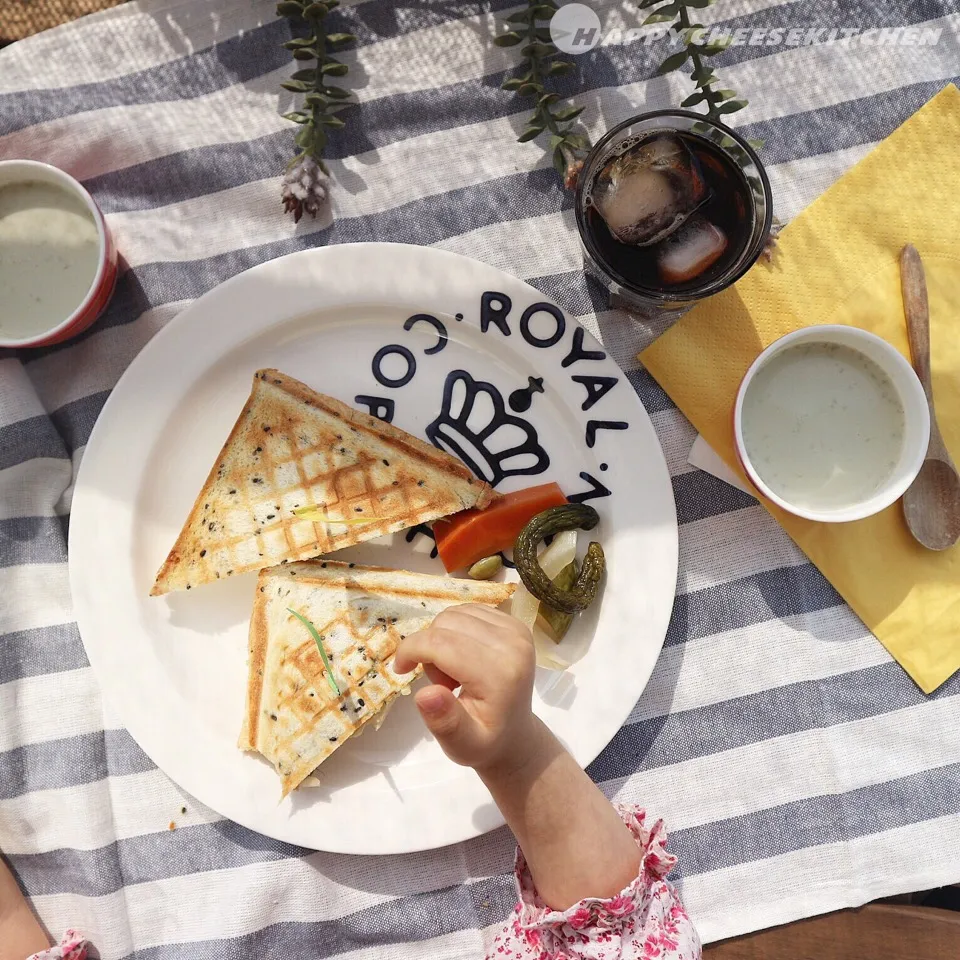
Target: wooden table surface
[(21, 18)]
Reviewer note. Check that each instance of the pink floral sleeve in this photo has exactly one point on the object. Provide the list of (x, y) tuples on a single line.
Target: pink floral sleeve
[(71, 947), (644, 922)]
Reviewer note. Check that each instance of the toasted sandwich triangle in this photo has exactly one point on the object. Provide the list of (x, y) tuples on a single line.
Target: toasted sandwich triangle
[(293, 716), (291, 449)]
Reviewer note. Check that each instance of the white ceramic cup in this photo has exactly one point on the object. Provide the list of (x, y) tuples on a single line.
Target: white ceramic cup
[(102, 283), (912, 398)]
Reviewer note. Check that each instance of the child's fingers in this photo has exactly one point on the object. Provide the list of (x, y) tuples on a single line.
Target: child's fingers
[(436, 675), (446, 718), (456, 655)]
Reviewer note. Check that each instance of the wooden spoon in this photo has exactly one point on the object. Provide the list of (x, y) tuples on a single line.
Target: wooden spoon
[(932, 504)]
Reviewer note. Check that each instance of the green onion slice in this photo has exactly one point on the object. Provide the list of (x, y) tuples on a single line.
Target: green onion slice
[(323, 653)]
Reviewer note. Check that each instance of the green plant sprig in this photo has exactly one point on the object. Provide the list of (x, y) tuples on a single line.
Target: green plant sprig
[(321, 100), (719, 102), (551, 115)]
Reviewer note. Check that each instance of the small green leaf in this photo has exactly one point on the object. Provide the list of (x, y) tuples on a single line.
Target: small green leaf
[(544, 34), (323, 654), (315, 99), (555, 141), (578, 141), (657, 18), (334, 69), (646, 4), (673, 62), (544, 11), (714, 47), (689, 33), (529, 89), (530, 133), (548, 98), (724, 94), (698, 4), (305, 136), (560, 67), (537, 49), (568, 113), (522, 16), (339, 39), (508, 39), (731, 106), (296, 116), (334, 122), (559, 162), (289, 8), (316, 11), (304, 54), (514, 83), (295, 86), (694, 99), (297, 42), (756, 144), (703, 75), (319, 141), (337, 93), (308, 75)]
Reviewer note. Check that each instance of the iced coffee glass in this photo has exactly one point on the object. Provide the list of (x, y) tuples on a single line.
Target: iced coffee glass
[(671, 208)]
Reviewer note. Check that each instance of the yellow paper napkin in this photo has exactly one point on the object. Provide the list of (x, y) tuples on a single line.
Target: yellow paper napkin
[(838, 263)]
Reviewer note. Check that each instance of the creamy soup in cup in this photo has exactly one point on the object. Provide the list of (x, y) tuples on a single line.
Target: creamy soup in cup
[(831, 423), (58, 264)]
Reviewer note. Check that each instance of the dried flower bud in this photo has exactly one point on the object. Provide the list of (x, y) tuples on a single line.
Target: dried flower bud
[(572, 174), (305, 188)]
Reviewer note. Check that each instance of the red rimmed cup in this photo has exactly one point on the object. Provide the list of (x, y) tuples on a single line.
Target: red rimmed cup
[(21, 331)]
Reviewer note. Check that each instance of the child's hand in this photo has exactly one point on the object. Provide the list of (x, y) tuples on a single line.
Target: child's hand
[(491, 655)]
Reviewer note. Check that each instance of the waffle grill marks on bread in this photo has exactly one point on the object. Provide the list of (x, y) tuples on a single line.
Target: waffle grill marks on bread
[(292, 715), (292, 447)]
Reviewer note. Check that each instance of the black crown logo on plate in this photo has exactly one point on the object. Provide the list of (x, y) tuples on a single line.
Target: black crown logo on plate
[(474, 426)]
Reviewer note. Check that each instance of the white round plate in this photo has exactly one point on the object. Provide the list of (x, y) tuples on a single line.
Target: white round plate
[(431, 338)]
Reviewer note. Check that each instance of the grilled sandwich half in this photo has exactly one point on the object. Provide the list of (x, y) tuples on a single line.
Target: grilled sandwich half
[(298, 713), (293, 449)]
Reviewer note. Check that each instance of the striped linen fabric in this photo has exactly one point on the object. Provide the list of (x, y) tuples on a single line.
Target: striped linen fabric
[(798, 768)]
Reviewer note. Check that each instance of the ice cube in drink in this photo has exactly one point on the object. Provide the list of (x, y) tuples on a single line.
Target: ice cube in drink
[(690, 251), (649, 190)]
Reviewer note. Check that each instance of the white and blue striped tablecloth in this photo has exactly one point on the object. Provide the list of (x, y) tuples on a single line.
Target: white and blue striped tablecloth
[(798, 768)]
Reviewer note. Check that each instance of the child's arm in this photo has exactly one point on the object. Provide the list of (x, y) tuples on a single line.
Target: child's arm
[(20, 933), (574, 841)]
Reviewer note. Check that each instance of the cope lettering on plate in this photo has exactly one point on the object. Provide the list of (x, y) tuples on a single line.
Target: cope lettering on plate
[(380, 407), (437, 325), (394, 349)]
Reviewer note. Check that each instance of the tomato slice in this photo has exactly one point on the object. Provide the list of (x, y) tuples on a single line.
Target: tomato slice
[(467, 537)]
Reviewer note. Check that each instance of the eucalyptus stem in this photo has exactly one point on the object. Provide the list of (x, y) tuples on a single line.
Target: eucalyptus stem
[(306, 179), (550, 115), (719, 102), (710, 97)]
